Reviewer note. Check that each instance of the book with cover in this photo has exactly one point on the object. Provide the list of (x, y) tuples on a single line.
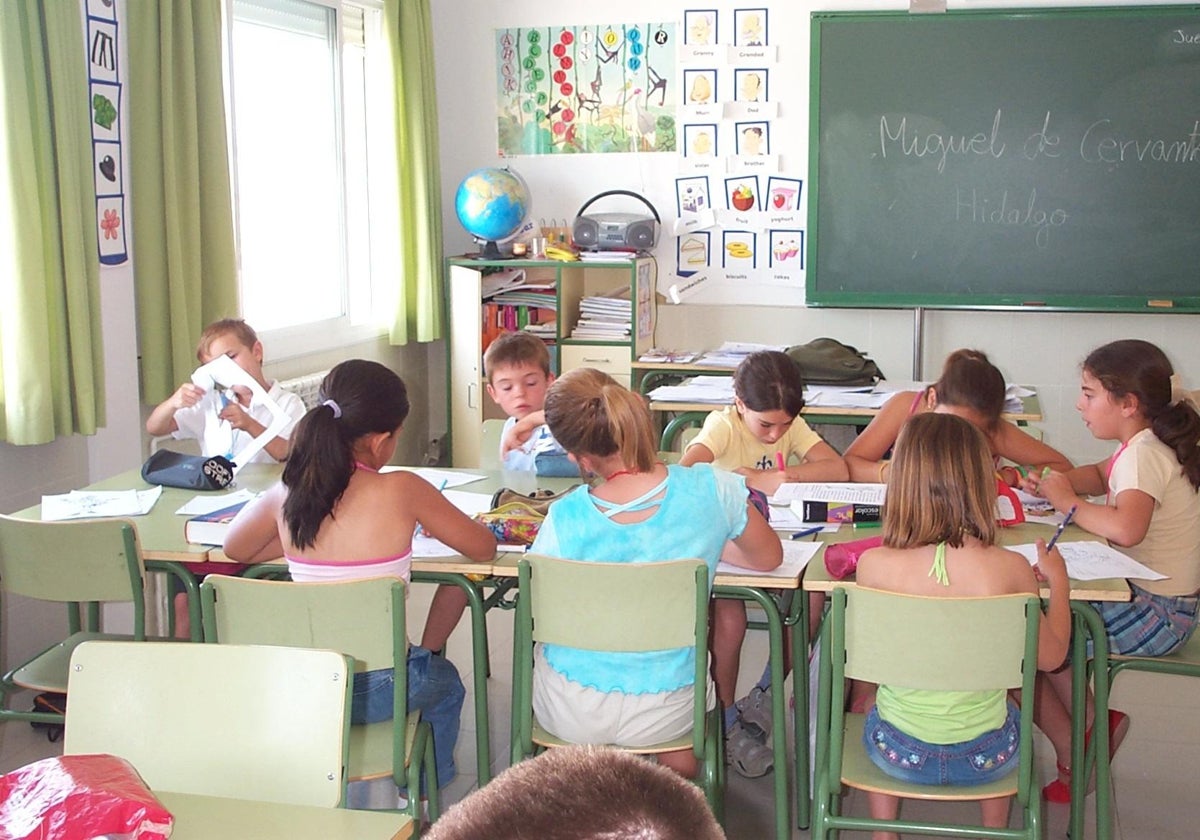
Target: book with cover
[(211, 528)]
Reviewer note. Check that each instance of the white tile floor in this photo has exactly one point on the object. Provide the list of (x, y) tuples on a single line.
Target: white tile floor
[(1153, 776)]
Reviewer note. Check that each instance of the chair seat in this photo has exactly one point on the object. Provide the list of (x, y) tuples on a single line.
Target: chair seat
[(545, 739), (858, 771), (371, 746), (49, 669), (1188, 655)]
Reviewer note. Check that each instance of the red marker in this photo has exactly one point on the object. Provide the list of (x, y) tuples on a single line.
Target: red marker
[(779, 461)]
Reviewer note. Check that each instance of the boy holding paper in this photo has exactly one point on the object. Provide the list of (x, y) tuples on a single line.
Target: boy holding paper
[(225, 427)]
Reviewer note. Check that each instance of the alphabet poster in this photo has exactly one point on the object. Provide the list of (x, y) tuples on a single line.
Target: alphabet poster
[(600, 88)]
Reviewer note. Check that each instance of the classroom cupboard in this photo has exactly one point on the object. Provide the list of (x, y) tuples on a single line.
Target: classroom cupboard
[(474, 321)]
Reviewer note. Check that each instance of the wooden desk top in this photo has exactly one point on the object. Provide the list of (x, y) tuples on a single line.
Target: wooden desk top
[(818, 579), (218, 818)]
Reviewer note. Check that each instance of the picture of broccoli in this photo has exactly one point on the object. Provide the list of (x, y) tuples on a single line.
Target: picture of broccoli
[(105, 111)]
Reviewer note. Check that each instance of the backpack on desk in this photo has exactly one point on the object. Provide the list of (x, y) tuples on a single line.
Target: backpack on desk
[(826, 361)]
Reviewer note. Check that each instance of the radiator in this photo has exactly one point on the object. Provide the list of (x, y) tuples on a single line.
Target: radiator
[(306, 387)]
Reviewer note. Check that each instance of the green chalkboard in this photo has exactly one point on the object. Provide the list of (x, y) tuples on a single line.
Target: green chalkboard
[(1006, 159)]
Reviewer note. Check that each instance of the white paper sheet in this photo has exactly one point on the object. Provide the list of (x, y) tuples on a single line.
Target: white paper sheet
[(469, 503), (207, 503), (1091, 560), (95, 504), (834, 491), (225, 372), (439, 478), (795, 557)]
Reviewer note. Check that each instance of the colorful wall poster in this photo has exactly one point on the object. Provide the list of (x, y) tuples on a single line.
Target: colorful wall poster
[(581, 89)]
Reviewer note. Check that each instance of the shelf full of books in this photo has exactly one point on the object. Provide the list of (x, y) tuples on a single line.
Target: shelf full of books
[(513, 300)]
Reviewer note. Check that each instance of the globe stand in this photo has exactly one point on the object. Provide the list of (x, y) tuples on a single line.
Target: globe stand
[(490, 251)]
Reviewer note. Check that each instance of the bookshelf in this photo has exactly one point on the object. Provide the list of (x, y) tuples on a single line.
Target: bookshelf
[(485, 297)]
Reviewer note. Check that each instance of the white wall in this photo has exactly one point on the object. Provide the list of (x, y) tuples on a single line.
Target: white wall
[(1039, 349)]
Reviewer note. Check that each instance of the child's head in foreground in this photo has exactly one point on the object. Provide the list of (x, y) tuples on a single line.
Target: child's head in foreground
[(590, 413), (517, 366), (942, 485), (582, 793)]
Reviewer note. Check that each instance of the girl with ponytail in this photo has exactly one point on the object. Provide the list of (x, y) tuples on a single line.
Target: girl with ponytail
[(1147, 505), (642, 512), (335, 516)]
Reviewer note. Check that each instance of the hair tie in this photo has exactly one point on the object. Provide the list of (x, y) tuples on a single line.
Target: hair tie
[(337, 409)]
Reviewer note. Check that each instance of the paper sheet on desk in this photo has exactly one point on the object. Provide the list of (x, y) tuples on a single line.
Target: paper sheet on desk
[(795, 557), (225, 372), (202, 504), (834, 491), (1093, 560), (96, 504), (452, 478)]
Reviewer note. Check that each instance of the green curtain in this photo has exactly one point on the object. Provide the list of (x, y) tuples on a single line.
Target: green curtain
[(51, 349), (184, 262), (409, 28)]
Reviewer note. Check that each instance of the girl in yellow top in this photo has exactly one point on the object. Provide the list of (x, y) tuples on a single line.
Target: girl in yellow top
[(762, 437), (972, 388), (939, 531)]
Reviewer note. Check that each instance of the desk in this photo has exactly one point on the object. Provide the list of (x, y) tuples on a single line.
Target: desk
[(1087, 625), (218, 818), (758, 589)]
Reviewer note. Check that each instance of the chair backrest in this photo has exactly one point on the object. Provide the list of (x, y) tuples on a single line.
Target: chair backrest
[(629, 606), (75, 561), (360, 618), (247, 722), (619, 607), (489, 444), (936, 644)]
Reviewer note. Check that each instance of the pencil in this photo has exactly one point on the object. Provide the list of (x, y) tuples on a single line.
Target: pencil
[(1061, 527), (807, 532)]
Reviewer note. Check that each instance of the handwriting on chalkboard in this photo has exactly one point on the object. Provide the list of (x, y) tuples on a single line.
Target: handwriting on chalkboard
[(1097, 145)]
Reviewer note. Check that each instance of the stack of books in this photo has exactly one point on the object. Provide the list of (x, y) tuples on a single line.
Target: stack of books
[(604, 318), (512, 301)]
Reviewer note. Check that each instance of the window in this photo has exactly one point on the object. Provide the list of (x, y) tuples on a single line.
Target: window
[(310, 121)]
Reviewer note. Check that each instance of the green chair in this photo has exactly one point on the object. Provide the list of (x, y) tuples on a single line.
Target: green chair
[(629, 607), (364, 619), (82, 564), (238, 721), (944, 644)]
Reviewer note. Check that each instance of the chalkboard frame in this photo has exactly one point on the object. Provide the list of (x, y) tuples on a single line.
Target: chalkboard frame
[(817, 295)]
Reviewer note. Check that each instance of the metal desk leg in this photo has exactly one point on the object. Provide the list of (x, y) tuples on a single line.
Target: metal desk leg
[(798, 621), (779, 724), (190, 586), (1088, 624), (479, 664)]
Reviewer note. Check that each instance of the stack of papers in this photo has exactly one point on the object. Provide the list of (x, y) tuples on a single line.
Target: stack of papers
[(717, 390), (605, 318), (606, 256), (731, 353), (89, 504), (668, 357), (509, 280)]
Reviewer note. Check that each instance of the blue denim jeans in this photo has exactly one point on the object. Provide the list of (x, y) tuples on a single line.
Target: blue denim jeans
[(434, 688), (978, 761)]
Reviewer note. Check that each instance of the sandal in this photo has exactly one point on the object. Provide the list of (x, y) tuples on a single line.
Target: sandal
[(1059, 791), (746, 749)]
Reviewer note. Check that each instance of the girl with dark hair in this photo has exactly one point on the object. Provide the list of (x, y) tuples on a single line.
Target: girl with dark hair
[(642, 512), (335, 516), (972, 388), (762, 437), (1151, 510)]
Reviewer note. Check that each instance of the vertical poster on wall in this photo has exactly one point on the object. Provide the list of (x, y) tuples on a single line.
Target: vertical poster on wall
[(105, 88), (586, 89)]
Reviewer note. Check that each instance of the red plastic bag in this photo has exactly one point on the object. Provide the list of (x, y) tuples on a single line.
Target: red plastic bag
[(841, 559), (79, 797)]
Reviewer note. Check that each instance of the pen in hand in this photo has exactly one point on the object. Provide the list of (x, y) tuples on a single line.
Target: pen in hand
[(1061, 527)]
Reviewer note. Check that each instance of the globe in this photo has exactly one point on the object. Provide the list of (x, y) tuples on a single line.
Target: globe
[(491, 205)]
